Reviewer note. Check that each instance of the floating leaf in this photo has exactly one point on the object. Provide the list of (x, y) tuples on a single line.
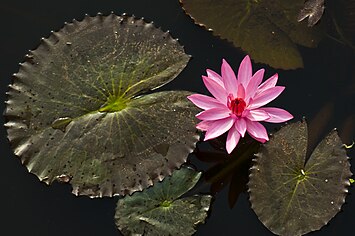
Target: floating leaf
[(75, 111), (266, 30), (313, 9), (292, 195), (160, 210)]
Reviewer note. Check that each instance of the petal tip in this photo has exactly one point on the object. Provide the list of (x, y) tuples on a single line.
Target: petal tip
[(247, 59), (290, 117), (207, 137), (209, 71), (230, 147), (190, 97), (225, 64)]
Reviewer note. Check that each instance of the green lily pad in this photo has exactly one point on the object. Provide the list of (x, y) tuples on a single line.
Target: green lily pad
[(160, 210), (267, 30), (293, 195), (76, 112)]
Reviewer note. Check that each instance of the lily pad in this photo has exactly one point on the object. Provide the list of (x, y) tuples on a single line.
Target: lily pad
[(293, 195), (313, 9), (76, 112), (160, 210), (266, 29)]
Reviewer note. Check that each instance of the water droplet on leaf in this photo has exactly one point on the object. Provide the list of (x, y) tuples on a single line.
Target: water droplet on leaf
[(61, 123)]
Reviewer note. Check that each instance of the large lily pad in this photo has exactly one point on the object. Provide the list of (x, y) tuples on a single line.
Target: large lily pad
[(75, 111), (160, 210), (267, 30), (293, 195)]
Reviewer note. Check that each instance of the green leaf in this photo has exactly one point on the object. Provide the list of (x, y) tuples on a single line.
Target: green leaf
[(266, 29), (76, 111), (293, 195), (160, 210)]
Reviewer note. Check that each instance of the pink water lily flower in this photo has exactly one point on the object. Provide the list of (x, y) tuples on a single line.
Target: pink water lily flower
[(237, 104)]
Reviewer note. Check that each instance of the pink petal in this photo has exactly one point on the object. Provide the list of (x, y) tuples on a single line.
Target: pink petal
[(269, 83), (241, 91), (219, 127), (253, 84), (265, 97), (204, 125), (277, 115), (216, 77), (241, 126), (204, 102), (232, 139), (214, 114), (257, 131), (261, 140), (245, 71), (215, 89), (229, 79), (257, 115)]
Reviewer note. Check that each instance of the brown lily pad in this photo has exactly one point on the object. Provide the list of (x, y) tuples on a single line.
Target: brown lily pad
[(267, 30), (293, 195)]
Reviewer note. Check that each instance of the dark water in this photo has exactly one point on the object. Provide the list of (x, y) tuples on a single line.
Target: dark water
[(324, 92)]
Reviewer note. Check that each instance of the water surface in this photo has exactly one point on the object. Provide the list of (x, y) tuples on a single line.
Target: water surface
[(323, 92)]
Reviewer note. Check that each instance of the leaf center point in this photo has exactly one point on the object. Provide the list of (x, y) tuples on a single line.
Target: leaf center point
[(166, 204), (114, 104), (302, 176)]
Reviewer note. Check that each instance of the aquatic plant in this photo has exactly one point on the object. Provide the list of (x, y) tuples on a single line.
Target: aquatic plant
[(76, 111), (294, 194), (162, 209), (81, 111), (266, 30), (237, 104)]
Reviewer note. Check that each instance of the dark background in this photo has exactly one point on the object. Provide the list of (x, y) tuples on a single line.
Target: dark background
[(323, 92)]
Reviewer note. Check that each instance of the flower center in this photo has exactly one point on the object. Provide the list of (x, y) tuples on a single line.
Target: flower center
[(236, 105)]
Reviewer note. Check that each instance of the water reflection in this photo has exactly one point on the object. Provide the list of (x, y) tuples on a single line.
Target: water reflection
[(228, 170)]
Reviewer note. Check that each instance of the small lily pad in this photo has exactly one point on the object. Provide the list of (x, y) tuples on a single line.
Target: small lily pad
[(293, 195), (313, 9), (160, 209), (76, 112), (266, 29)]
